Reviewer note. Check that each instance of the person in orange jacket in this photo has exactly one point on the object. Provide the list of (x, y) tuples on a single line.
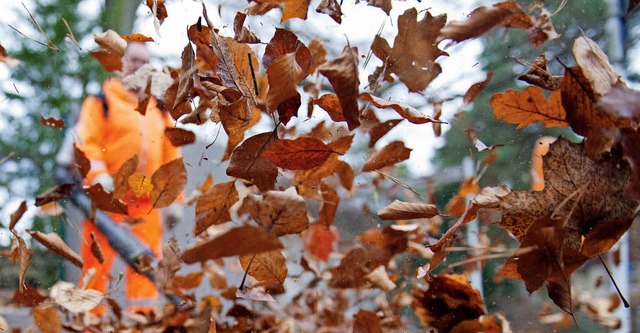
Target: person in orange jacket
[(109, 138)]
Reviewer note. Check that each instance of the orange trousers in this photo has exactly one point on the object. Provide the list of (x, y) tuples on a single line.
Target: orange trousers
[(139, 290)]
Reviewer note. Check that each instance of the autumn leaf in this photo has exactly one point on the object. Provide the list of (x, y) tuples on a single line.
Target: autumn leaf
[(292, 8), (121, 178), (538, 75), (342, 73), (236, 119), (380, 130), (179, 136), (101, 199), (96, 250), (331, 104), (399, 210), (189, 281), (168, 182), (55, 193), (415, 50), (366, 321), (404, 110), (621, 103), (138, 38), (329, 206), (447, 302), (52, 122), (47, 318), (268, 268), (74, 299), (380, 279), (248, 163), (23, 256), (28, 296), (308, 180), (54, 242), (331, 8), (279, 212), (385, 5), (480, 146), (111, 41), (81, 162), (243, 240), (319, 240), (185, 80), (479, 21), (389, 155), (475, 89), (169, 264), (299, 154), (595, 65), (212, 207), (140, 184), (17, 215), (242, 34), (528, 107)]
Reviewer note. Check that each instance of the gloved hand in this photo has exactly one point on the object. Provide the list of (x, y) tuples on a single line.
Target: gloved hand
[(173, 214), (105, 180)]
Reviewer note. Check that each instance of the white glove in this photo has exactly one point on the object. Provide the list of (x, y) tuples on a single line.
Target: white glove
[(173, 214), (105, 180)]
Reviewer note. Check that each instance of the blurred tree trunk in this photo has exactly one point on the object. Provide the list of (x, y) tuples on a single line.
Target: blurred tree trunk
[(119, 15)]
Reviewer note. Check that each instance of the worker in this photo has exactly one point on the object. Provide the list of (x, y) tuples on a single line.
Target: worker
[(108, 138)]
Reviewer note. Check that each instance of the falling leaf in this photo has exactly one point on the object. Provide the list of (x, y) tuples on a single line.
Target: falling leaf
[(110, 61), (23, 255), (385, 5), (52, 122), (236, 119), (479, 21), (475, 89), (179, 136), (169, 264), (406, 111), (111, 42), (242, 34), (448, 301), (342, 73), (140, 184), (622, 103), (168, 182), (55, 193), (121, 178), (186, 78), (268, 268), (318, 53), (138, 38), (96, 250), (329, 206), (279, 212), (480, 146), (379, 278), (528, 107), (299, 154), (73, 299), (189, 281), (595, 65), (81, 162), (243, 240), (366, 321), (560, 293), (331, 104), (308, 180), (319, 240), (380, 130), (17, 214), (538, 75), (415, 50), (28, 297), (399, 210), (331, 8), (54, 242), (212, 207), (248, 163), (47, 318), (292, 8), (101, 199), (389, 155), (254, 294), (6, 58), (158, 9)]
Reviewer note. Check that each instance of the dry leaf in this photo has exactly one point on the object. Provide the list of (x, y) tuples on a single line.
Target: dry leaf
[(137, 38), (100, 199), (595, 65), (379, 278), (279, 212), (268, 268), (342, 73), (212, 207), (366, 321), (331, 104), (243, 240), (168, 183), (28, 297), (47, 318), (179, 136), (73, 299), (23, 255), (17, 214), (389, 155), (331, 8), (399, 210), (52, 122), (299, 154), (54, 242), (480, 21), (528, 107), (242, 34), (404, 110), (110, 61), (140, 184), (538, 75), (292, 8), (121, 178), (96, 250), (55, 193), (111, 41), (319, 240), (248, 163), (169, 264), (385, 5), (475, 90)]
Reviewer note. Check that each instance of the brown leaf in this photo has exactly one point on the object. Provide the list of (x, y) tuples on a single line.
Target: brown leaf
[(480, 146), (399, 210), (81, 162), (28, 296), (243, 240), (212, 208), (96, 250), (380, 130), (100, 199), (404, 110), (23, 253), (595, 65), (110, 61), (52, 122), (179, 136), (449, 300), (622, 104), (248, 163), (528, 107), (475, 90), (236, 119), (168, 182), (121, 178), (269, 268), (169, 264), (54, 242), (279, 212), (385, 5), (331, 8), (242, 34), (342, 73), (299, 154), (292, 8), (538, 75), (111, 41), (560, 293), (415, 50), (189, 281), (366, 321), (329, 205), (479, 21), (74, 299), (389, 155), (47, 318), (137, 38), (55, 193), (318, 53), (17, 214), (160, 11), (308, 180), (331, 104), (319, 240), (380, 279), (185, 80)]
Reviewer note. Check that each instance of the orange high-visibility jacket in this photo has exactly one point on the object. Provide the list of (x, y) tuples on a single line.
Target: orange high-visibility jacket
[(108, 140)]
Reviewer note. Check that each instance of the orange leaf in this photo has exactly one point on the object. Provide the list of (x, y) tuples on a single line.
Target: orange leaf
[(242, 34), (179, 136), (47, 318), (366, 321), (52, 122), (404, 110), (248, 163), (138, 38), (319, 240), (528, 107), (300, 154), (110, 61), (140, 184), (480, 21), (389, 155), (269, 268), (292, 8), (168, 182), (331, 104), (213, 207), (232, 243), (342, 73), (17, 214), (111, 42), (475, 89)]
